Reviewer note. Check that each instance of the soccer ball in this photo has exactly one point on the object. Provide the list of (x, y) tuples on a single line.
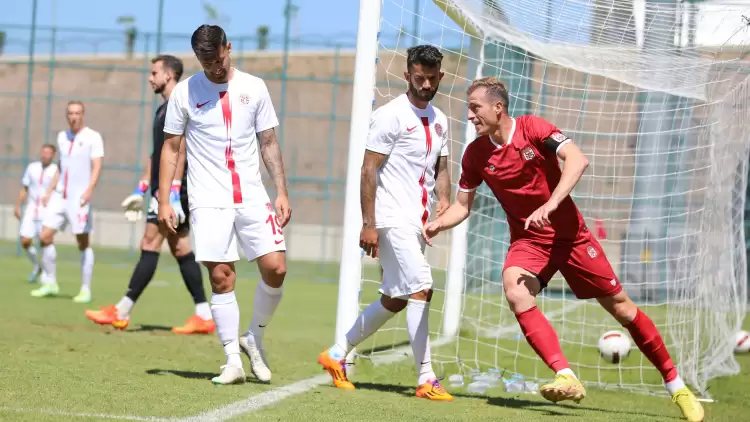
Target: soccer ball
[(614, 346), (742, 342)]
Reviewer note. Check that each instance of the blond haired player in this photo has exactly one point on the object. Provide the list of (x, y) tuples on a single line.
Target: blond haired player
[(81, 151), (518, 160), (406, 154), (37, 183), (229, 122)]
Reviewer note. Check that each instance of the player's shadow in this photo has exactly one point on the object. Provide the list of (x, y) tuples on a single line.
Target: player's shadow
[(193, 375), (151, 328), (548, 409), (66, 296), (383, 348)]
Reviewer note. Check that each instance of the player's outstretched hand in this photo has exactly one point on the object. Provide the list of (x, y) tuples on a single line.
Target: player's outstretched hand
[(167, 218), (540, 217), (368, 241), (431, 230), (283, 210), (442, 207)]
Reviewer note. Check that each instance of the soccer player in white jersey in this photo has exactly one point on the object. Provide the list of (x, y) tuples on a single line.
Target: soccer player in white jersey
[(228, 121), (81, 151), (36, 185), (406, 158)]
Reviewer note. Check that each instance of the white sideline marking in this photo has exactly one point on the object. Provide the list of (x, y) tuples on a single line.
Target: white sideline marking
[(257, 402), (50, 412)]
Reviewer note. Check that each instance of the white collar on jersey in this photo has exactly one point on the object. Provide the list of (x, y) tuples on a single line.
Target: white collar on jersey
[(510, 137)]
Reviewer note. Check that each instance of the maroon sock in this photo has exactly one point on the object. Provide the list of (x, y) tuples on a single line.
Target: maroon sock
[(542, 338), (648, 339)]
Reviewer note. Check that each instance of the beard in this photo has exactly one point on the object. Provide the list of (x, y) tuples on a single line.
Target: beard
[(422, 94), (159, 89)]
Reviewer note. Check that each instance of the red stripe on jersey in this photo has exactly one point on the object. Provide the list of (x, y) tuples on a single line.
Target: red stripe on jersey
[(226, 110), (428, 140), (65, 183), (38, 198)]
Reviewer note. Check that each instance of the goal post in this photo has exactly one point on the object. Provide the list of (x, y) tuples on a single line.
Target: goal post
[(663, 122)]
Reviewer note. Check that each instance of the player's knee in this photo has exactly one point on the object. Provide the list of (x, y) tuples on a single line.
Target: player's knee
[(25, 242), (83, 242), (222, 277), (393, 304), (46, 237), (519, 298), (273, 269)]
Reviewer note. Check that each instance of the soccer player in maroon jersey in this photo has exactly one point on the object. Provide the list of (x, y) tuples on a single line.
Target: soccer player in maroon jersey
[(518, 159)]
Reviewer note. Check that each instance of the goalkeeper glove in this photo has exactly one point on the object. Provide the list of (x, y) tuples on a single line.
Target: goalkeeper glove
[(174, 201), (133, 204)]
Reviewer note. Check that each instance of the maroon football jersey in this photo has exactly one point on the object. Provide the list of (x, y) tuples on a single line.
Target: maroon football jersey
[(523, 174)]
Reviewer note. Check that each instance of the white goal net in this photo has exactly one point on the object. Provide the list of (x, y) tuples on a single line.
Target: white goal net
[(656, 96)]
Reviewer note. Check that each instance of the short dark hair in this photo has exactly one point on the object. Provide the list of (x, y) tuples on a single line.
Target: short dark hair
[(172, 63), (50, 146), (423, 55), (207, 39)]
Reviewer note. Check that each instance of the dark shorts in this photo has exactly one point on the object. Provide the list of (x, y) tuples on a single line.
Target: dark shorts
[(153, 211), (582, 263)]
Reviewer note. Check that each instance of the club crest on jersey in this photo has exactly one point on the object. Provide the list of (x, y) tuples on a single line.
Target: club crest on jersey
[(245, 99), (558, 137), (591, 251), (528, 153), (438, 129), (491, 167), (269, 207)]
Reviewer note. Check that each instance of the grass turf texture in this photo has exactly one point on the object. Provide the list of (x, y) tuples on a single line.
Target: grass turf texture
[(55, 360)]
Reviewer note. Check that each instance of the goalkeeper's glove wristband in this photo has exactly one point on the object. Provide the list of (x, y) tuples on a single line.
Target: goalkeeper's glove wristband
[(142, 187), (174, 191)]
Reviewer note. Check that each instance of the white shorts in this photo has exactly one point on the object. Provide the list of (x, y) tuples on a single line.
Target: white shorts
[(63, 212), (405, 268), (218, 230), (30, 227)]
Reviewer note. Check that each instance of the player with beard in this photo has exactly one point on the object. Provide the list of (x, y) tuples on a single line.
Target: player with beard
[(165, 73), (406, 158)]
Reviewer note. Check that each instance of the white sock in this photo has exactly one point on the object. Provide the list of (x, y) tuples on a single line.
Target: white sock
[(31, 254), (266, 301), (87, 268), (369, 321), (49, 258), (226, 315), (417, 316), (124, 306), (566, 371), (675, 385), (203, 310)]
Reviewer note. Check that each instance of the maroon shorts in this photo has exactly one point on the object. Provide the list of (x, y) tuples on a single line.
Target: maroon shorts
[(582, 263)]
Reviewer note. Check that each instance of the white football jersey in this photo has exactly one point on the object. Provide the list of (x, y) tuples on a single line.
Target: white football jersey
[(37, 179), (76, 152), (413, 139), (220, 122)]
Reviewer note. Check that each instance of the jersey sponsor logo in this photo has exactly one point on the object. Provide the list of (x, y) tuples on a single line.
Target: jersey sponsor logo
[(558, 137), (199, 105), (410, 129), (528, 153), (591, 251), (245, 99), (438, 129)]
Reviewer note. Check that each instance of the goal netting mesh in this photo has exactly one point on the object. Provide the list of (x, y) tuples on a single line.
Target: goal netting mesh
[(656, 96)]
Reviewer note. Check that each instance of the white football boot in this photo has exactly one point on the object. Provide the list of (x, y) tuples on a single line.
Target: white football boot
[(258, 364), (229, 375)]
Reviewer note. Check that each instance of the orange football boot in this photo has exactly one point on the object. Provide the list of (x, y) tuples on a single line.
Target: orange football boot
[(196, 325), (337, 369), (107, 315), (432, 390)]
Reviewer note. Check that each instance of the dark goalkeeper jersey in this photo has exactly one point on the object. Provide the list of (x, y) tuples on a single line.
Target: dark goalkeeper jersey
[(158, 128)]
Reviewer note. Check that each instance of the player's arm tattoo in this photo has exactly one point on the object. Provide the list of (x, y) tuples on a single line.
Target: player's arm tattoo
[(270, 150), (367, 188), (443, 180), (170, 152)]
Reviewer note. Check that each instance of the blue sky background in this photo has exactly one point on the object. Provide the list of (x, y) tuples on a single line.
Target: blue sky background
[(318, 22)]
